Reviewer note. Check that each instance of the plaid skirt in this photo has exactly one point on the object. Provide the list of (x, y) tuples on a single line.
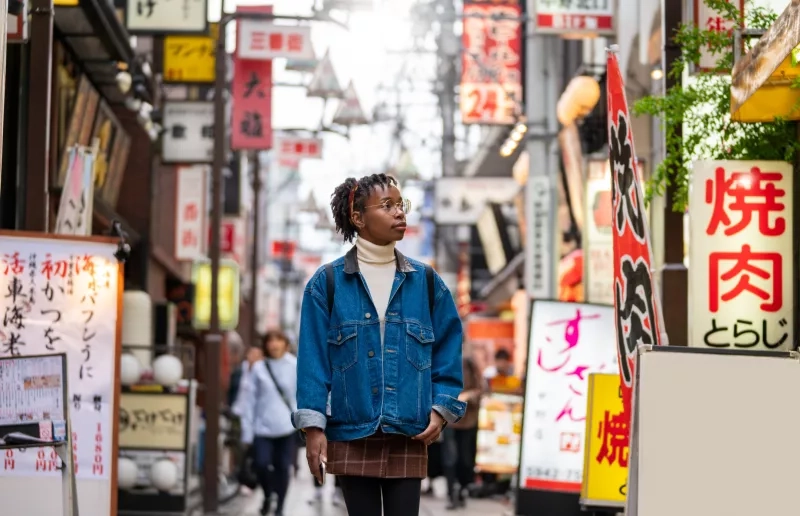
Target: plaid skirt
[(379, 456)]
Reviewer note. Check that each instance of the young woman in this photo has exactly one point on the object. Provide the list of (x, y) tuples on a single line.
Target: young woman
[(380, 338), (268, 399)]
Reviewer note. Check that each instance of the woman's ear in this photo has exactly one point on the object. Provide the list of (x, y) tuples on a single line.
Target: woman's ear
[(358, 220)]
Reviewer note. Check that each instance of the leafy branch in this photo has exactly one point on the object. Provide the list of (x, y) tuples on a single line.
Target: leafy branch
[(701, 108)]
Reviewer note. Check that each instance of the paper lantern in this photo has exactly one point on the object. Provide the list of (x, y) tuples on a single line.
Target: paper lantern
[(127, 473), (164, 475), (578, 100), (167, 370), (130, 369)]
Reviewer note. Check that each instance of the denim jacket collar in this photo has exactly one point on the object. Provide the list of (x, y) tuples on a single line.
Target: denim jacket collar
[(351, 262)]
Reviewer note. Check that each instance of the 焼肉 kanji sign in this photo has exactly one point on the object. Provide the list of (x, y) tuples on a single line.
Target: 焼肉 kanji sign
[(740, 278)]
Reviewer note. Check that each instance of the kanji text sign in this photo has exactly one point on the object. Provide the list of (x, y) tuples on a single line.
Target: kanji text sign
[(740, 274), (706, 18), (252, 105), (262, 41), (191, 58), (568, 341), (190, 212), (166, 16), (594, 17)]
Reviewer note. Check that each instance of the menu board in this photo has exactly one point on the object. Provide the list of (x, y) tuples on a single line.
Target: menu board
[(499, 433), (31, 390)]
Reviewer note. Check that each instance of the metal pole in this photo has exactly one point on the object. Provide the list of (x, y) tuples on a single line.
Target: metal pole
[(257, 186), (674, 275), (37, 178)]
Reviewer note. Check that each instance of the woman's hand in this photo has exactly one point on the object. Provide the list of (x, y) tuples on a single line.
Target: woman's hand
[(316, 451), (431, 434), (254, 355)]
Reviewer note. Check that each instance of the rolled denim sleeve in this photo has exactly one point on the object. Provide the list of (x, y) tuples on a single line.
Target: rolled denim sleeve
[(446, 373), (313, 362)]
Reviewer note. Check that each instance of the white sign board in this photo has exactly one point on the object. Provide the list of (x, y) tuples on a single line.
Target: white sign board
[(540, 267), (593, 17), (568, 342), (189, 132), (741, 263), (190, 212), (61, 296), (461, 200), (598, 239), (292, 149), (166, 16), (75, 207), (261, 40), (706, 18)]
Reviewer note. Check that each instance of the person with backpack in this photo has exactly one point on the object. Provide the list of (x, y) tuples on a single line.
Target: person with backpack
[(268, 399), (380, 335)]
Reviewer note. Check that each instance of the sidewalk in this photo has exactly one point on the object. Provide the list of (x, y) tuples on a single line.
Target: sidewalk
[(301, 491)]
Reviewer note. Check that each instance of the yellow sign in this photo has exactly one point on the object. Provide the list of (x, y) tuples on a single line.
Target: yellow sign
[(65, 3), (227, 297), (776, 98), (153, 421), (605, 462), (190, 58)]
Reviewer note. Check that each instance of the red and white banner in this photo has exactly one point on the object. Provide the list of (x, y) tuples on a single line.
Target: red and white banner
[(251, 116), (292, 149), (232, 239), (740, 279), (262, 40), (190, 212), (637, 307), (588, 17), (491, 72)]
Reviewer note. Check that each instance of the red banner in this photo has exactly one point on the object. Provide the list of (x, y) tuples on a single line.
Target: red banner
[(637, 307), (251, 118)]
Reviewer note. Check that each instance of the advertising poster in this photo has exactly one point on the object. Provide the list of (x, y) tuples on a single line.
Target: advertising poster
[(499, 434)]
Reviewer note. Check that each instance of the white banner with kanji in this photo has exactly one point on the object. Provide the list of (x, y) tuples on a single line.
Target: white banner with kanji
[(740, 261)]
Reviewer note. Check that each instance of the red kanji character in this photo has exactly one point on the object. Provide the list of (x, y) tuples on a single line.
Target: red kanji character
[(97, 469), (298, 148), (85, 264), (749, 196), (312, 149), (56, 268), (276, 41), (613, 431), (191, 212), (287, 147), (258, 40), (717, 24), (743, 266), (14, 264), (294, 42), (189, 238)]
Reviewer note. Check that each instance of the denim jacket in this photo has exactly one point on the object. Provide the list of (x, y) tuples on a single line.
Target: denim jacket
[(391, 386)]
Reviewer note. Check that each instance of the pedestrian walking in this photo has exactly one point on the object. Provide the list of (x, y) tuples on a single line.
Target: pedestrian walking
[(380, 335), (269, 397)]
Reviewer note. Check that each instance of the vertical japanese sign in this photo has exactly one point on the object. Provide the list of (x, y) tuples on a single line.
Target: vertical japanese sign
[(539, 257), (605, 463), (166, 16), (741, 280), (189, 132), (706, 18), (191, 58), (637, 307), (190, 212), (61, 296), (491, 72), (598, 241), (591, 17), (77, 197), (568, 341)]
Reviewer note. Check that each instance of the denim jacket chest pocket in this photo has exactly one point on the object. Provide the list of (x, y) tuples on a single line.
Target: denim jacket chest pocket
[(419, 346), (343, 347)]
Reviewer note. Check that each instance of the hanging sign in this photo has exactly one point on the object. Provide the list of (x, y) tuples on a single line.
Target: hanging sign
[(637, 306), (567, 342), (324, 83), (741, 278), (153, 420), (491, 64), (706, 18), (349, 111), (585, 17), (292, 149), (75, 207), (189, 132), (191, 58), (166, 16), (190, 212), (262, 40), (251, 121), (598, 240)]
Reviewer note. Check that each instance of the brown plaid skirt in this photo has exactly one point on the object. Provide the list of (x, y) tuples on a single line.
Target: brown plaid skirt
[(379, 456)]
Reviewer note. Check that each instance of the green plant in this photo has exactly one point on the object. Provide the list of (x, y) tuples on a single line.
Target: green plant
[(701, 108)]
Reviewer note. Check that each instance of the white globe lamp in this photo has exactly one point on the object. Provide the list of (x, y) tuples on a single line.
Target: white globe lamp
[(127, 472), (164, 475), (167, 370), (130, 369)]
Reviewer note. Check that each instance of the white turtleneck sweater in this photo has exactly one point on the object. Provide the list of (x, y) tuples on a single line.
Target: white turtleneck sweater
[(377, 265)]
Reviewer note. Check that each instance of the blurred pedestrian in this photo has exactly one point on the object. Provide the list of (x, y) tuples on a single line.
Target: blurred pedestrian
[(381, 335)]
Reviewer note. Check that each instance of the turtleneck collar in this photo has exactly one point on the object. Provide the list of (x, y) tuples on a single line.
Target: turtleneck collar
[(375, 254)]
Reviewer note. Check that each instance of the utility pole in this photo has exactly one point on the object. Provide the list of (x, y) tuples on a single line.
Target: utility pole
[(448, 53), (254, 262)]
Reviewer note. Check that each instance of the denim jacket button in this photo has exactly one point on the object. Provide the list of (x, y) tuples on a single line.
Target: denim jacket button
[(368, 315), (371, 354)]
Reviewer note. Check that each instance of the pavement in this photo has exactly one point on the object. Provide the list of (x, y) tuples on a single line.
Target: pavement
[(301, 492)]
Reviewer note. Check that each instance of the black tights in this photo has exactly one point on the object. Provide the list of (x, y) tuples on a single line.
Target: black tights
[(362, 496)]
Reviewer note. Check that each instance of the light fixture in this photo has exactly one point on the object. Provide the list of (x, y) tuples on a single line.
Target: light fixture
[(133, 104), (514, 139), (656, 73), (123, 78)]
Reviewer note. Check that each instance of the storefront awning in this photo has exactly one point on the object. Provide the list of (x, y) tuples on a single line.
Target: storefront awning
[(91, 30)]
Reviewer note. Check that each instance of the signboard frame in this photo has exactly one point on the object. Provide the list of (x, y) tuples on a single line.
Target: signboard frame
[(584, 32), (174, 158), (164, 31)]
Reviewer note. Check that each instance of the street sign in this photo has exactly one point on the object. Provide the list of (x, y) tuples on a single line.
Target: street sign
[(189, 136), (190, 58), (164, 17), (461, 200), (585, 17), (261, 40)]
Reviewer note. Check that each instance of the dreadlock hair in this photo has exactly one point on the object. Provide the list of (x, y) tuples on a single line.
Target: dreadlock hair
[(360, 189)]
